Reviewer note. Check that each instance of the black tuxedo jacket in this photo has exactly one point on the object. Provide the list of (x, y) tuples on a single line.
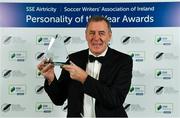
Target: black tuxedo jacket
[(109, 91)]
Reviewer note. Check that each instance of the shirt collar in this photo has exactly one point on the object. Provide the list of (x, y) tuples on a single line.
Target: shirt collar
[(102, 54)]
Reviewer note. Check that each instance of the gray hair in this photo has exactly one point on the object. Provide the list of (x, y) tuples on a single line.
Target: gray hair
[(99, 18)]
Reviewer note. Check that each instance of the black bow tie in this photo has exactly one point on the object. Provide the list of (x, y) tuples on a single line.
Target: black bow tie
[(93, 58)]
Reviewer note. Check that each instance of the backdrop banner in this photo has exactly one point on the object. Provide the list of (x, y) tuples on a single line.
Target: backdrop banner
[(147, 31)]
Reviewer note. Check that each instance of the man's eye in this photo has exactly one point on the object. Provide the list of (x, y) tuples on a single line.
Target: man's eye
[(101, 33), (91, 33)]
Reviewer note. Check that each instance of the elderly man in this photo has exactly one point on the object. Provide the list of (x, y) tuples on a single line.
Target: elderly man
[(95, 81)]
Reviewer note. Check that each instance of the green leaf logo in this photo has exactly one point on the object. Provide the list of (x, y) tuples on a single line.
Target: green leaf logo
[(159, 107), (40, 39), (158, 73), (39, 107), (13, 55), (159, 39), (12, 89), (132, 89)]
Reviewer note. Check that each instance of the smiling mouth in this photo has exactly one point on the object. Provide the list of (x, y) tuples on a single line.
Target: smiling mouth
[(97, 45)]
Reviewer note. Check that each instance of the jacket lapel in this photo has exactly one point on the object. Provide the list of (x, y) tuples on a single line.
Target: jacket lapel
[(105, 65), (84, 59)]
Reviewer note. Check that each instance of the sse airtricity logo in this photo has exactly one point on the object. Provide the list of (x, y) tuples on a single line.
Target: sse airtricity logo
[(17, 89), (43, 39), (163, 40), (44, 107), (138, 90), (18, 56), (165, 74), (137, 56), (164, 108)]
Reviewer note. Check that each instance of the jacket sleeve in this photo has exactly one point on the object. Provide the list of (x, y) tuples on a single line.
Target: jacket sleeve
[(111, 96), (57, 90)]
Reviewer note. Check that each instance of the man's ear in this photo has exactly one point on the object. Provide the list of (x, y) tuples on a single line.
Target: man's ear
[(110, 36), (85, 34)]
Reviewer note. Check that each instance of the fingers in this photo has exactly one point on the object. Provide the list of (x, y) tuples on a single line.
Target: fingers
[(76, 73), (41, 64), (72, 71), (72, 65), (44, 66), (68, 68), (47, 68), (72, 68)]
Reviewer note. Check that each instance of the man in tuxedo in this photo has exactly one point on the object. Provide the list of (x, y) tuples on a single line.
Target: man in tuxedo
[(94, 81)]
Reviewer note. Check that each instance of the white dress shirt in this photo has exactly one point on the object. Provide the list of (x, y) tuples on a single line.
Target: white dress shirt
[(93, 69)]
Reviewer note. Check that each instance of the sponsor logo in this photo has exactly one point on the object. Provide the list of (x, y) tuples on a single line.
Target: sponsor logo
[(133, 107), (164, 108), (138, 90), (17, 89), (162, 90), (165, 74), (44, 107), (131, 39), (39, 55), (6, 40), (6, 73), (19, 56), (7, 107), (137, 56), (43, 39), (162, 55), (163, 40), (39, 89)]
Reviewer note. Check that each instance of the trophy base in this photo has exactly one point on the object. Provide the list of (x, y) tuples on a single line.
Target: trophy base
[(58, 63)]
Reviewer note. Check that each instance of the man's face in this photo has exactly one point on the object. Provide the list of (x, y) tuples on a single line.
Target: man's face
[(98, 36)]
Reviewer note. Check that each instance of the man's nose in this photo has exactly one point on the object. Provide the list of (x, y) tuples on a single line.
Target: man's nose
[(96, 36)]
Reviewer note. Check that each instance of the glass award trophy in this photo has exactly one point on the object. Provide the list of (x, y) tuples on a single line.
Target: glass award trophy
[(57, 53)]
